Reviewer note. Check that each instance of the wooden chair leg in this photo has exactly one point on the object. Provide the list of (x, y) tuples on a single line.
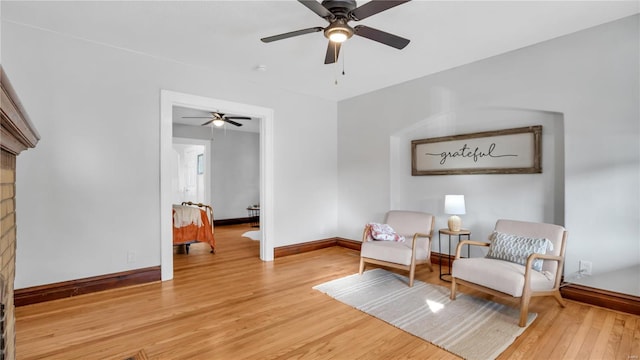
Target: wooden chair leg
[(412, 274), (453, 289), (559, 299), (524, 309), (361, 265)]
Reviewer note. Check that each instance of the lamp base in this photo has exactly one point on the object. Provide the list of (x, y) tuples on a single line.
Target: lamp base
[(454, 223)]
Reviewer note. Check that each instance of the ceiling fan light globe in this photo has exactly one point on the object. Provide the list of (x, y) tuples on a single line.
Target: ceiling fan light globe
[(218, 122), (338, 31), (338, 36)]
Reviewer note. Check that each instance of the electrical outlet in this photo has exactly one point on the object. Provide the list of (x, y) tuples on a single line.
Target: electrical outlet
[(585, 267), (131, 256)]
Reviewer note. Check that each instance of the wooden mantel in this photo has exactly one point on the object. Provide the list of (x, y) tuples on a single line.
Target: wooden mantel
[(17, 133)]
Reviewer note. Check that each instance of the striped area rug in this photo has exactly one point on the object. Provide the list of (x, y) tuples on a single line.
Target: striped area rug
[(469, 327)]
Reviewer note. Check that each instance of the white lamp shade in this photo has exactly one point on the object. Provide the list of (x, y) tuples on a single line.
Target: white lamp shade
[(454, 204)]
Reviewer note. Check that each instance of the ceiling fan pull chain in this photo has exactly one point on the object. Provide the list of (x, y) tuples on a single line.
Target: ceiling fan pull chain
[(335, 58), (343, 61), (338, 64)]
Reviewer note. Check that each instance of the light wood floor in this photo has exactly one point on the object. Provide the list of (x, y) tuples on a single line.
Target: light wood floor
[(231, 305)]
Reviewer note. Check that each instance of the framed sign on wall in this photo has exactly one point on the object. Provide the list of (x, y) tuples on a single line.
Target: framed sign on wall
[(509, 151)]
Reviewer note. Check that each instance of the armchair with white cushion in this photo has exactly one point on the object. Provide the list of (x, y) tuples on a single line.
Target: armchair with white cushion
[(417, 230), (525, 259)]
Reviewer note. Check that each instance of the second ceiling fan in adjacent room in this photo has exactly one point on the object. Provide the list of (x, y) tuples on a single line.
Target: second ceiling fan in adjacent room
[(218, 119)]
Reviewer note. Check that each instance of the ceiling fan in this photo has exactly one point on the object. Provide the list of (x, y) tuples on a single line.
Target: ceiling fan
[(338, 13), (218, 119)]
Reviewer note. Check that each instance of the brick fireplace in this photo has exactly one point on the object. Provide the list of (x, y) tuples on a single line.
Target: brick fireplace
[(16, 135)]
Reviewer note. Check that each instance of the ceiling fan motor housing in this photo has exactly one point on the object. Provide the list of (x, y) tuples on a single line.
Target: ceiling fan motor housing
[(340, 8), (339, 30)]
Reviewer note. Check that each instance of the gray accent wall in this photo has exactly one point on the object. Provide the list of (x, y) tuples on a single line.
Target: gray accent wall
[(583, 88)]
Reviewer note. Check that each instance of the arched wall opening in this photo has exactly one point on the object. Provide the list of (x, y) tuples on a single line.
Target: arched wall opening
[(488, 197)]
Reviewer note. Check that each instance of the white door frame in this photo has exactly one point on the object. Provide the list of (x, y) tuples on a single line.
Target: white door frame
[(168, 99)]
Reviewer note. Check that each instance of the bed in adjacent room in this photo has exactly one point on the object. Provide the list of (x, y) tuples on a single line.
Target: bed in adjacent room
[(192, 223)]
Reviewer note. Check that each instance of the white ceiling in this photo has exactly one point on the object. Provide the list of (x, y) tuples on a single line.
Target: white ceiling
[(226, 34)]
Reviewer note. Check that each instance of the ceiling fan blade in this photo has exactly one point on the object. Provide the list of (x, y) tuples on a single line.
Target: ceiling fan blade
[(333, 51), (207, 123), (238, 117), (269, 39), (196, 117), (317, 8), (381, 36), (373, 7), (232, 122)]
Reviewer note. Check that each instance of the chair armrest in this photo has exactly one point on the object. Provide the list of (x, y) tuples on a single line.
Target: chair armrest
[(468, 242), (416, 236), (529, 267), (535, 256), (421, 235), (365, 233)]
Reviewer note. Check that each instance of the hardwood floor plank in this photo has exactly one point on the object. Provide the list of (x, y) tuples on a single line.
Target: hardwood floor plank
[(580, 336), (551, 334), (536, 331), (603, 348), (573, 317), (231, 305), (615, 339), (592, 335), (634, 353), (600, 346)]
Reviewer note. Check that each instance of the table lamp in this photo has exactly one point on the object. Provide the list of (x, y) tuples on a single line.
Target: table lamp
[(454, 206)]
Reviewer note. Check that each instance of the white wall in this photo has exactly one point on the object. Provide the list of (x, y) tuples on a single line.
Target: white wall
[(90, 192), (235, 167), (589, 79)]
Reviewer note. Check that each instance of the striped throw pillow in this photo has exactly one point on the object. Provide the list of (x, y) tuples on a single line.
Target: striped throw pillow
[(516, 249)]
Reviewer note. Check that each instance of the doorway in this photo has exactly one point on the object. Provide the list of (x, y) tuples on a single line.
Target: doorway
[(168, 99), (191, 179)]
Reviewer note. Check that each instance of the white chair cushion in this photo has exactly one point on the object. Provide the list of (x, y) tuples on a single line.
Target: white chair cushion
[(499, 275), (391, 251)]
